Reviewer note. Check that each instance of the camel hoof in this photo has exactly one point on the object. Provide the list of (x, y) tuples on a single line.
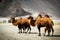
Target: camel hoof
[(19, 32), (29, 32), (39, 35), (51, 35), (44, 34), (47, 35), (25, 32)]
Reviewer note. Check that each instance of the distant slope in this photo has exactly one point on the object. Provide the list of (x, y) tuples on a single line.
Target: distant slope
[(51, 7), (12, 8), (20, 7)]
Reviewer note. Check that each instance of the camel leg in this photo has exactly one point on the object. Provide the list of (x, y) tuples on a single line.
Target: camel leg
[(29, 29), (52, 30), (45, 31), (19, 31), (49, 32), (20, 28), (39, 30), (24, 29)]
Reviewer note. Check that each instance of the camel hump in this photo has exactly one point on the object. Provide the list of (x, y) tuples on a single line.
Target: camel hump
[(40, 15), (47, 16)]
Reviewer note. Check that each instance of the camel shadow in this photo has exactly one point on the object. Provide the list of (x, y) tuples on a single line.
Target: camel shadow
[(54, 36), (33, 33), (46, 36)]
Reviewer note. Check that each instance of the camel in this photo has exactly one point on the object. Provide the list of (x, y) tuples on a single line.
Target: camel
[(48, 23), (32, 22), (42, 22), (22, 23)]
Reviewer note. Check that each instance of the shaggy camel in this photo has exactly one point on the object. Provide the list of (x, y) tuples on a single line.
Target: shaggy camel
[(32, 22), (22, 23), (42, 22), (48, 23)]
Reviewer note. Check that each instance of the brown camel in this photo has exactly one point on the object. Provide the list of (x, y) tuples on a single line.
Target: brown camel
[(48, 23), (22, 23), (42, 22), (32, 22)]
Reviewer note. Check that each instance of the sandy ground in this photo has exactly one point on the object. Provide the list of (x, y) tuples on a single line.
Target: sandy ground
[(10, 32)]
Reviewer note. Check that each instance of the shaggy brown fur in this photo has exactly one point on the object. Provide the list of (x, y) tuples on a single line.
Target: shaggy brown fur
[(32, 22), (49, 25), (22, 23), (42, 22)]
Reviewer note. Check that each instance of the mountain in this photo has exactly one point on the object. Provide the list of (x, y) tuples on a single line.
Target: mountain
[(50, 7), (12, 8), (28, 7)]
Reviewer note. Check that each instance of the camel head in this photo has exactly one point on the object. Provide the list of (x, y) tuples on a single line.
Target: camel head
[(12, 19), (30, 17)]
